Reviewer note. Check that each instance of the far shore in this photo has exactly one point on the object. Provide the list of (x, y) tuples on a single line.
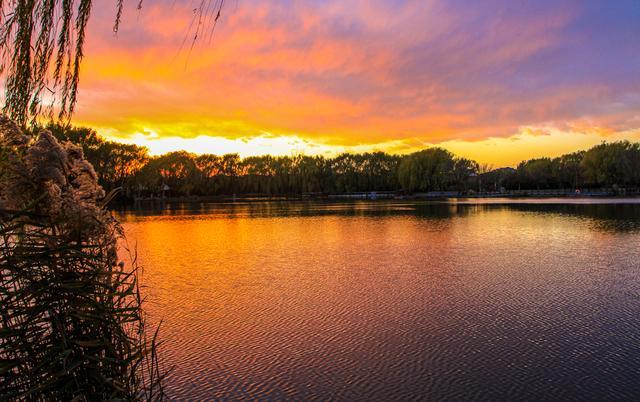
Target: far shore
[(374, 196)]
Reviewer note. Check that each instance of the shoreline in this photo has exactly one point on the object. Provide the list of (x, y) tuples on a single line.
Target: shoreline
[(386, 196)]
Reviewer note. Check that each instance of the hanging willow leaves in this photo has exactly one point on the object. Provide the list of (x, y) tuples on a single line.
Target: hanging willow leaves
[(38, 36), (42, 47)]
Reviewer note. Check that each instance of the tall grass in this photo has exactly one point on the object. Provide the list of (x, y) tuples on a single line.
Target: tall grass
[(71, 319)]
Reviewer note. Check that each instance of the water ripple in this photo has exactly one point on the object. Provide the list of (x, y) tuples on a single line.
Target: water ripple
[(397, 302)]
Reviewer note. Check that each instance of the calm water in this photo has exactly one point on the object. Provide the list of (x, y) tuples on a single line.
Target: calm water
[(396, 301)]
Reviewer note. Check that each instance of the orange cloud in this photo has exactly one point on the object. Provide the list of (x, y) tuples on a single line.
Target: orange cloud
[(366, 74)]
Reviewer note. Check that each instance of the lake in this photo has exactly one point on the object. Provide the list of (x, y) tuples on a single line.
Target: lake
[(478, 299)]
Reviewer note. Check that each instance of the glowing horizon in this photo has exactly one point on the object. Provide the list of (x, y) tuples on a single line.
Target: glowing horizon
[(498, 83)]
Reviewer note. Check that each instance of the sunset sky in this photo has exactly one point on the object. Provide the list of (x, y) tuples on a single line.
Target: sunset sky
[(497, 81)]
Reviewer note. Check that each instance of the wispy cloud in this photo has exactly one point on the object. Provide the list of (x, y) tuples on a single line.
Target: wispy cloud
[(367, 72)]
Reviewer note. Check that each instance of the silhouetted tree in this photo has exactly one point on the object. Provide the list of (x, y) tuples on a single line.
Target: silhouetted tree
[(428, 170), (612, 164), (433, 169)]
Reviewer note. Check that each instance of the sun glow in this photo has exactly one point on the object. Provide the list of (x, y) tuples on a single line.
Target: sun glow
[(528, 143), (321, 80), (262, 144)]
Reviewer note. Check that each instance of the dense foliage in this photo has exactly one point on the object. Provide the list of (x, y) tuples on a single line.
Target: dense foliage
[(435, 169), (71, 324), (180, 173)]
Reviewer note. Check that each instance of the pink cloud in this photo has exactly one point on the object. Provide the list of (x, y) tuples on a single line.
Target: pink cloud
[(350, 72)]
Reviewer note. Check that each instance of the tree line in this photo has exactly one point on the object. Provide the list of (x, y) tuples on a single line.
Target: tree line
[(131, 168)]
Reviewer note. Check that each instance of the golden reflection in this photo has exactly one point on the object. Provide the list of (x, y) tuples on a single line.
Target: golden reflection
[(274, 293)]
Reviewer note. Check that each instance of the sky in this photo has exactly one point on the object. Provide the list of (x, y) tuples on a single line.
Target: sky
[(496, 81)]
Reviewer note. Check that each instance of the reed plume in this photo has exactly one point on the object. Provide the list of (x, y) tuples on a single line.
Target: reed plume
[(71, 319)]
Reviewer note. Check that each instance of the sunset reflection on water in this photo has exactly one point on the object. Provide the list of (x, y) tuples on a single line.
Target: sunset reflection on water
[(394, 300)]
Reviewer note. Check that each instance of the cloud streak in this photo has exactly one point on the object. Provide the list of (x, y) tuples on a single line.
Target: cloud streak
[(367, 72)]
